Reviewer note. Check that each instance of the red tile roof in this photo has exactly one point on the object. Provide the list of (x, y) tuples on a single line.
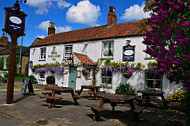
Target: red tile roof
[(84, 59), (95, 33)]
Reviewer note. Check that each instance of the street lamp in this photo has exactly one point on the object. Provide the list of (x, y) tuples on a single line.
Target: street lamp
[(14, 26)]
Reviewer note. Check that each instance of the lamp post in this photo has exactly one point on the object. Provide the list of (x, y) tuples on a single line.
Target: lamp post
[(14, 26)]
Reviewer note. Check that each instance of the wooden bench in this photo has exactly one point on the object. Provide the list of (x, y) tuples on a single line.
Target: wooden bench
[(76, 96), (50, 99), (140, 100), (96, 109), (136, 112), (47, 93), (50, 93), (78, 92)]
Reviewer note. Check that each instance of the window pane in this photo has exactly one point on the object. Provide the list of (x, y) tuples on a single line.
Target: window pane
[(42, 53), (106, 78), (149, 83), (153, 81), (157, 77), (107, 49), (42, 75), (109, 73), (68, 51), (150, 76)]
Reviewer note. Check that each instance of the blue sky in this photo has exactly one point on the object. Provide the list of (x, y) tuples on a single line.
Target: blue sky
[(71, 14)]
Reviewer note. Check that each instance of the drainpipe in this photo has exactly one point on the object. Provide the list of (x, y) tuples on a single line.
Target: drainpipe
[(20, 57)]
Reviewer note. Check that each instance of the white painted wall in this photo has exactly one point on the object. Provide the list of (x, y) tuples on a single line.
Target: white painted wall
[(93, 50)]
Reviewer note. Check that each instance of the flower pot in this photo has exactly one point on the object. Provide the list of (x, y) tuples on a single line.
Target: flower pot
[(85, 72), (127, 75), (33, 69)]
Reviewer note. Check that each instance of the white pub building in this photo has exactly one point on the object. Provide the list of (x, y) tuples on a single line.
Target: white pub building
[(86, 46)]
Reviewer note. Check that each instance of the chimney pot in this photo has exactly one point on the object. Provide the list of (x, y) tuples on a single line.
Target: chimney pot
[(112, 18), (4, 39), (51, 28)]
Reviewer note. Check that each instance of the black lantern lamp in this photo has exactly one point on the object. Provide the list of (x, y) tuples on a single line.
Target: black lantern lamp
[(14, 20), (70, 60)]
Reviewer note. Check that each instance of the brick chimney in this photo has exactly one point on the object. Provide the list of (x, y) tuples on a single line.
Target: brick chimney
[(4, 39), (51, 28), (112, 18)]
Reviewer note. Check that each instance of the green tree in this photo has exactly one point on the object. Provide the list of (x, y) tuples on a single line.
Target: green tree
[(148, 5), (169, 41), (1, 63)]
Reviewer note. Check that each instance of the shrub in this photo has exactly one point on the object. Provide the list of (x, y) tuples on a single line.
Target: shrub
[(32, 78), (178, 96), (125, 88)]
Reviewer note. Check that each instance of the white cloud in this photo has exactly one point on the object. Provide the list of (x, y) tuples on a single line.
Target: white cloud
[(62, 4), (84, 12), (135, 12), (63, 29), (44, 5), (41, 36), (45, 24)]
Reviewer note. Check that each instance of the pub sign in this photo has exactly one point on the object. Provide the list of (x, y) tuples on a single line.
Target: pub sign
[(128, 53), (14, 21)]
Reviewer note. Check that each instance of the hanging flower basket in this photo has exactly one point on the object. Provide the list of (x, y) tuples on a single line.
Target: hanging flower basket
[(127, 74), (85, 72), (33, 69)]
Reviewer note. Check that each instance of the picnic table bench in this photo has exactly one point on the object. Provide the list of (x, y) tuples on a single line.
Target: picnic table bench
[(51, 99), (96, 110), (58, 90), (113, 99), (94, 90), (147, 94)]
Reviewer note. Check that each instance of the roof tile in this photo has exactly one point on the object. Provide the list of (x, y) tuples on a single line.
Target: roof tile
[(84, 59), (94, 33)]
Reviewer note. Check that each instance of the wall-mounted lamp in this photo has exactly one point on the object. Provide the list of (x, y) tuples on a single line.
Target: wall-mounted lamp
[(85, 43), (128, 40), (70, 60)]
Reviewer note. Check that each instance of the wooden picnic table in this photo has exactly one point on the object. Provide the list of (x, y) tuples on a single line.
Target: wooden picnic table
[(94, 89), (147, 94), (114, 99), (58, 90)]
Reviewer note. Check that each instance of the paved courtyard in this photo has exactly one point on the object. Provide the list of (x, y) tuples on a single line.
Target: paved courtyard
[(30, 110)]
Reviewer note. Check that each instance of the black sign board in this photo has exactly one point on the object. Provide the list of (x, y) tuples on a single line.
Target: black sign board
[(14, 21), (27, 82), (128, 53)]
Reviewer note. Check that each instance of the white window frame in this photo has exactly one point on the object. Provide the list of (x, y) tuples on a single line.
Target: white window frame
[(106, 51), (106, 77), (43, 54), (67, 52), (154, 80)]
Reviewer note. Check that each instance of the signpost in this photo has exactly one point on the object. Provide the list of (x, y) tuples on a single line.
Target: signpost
[(14, 26)]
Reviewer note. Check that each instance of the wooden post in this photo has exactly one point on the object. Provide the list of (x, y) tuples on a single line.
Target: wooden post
[(12, 65)]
